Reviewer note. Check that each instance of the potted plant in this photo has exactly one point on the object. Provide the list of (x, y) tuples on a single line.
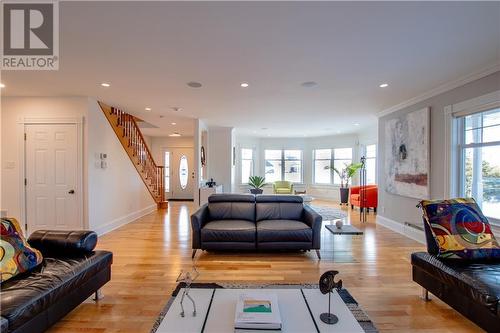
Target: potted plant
[(256, 183), (345, 174)]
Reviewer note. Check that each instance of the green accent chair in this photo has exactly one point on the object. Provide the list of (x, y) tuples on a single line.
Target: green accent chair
[(283, 187)]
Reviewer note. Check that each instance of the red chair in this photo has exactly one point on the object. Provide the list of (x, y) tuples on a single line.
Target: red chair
[(370, 197)]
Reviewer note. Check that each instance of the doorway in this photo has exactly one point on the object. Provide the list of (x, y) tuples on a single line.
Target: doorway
[(52, 177), (179, 173)]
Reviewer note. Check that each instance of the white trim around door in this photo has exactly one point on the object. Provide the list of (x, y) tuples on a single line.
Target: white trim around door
[(22, 122)]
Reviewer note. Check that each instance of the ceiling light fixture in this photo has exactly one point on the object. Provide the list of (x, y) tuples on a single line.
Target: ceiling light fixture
[(175, 134), (173, 124), (104, 84), (194, 84), (309, 84), (244, 85), (2, 85), (384, 85), (356, 124), (147, 109)]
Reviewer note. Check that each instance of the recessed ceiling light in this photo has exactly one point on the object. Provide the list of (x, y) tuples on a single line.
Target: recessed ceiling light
[(194, 84), (173, 123), (384, 85), (147, 109), (176, 108), (244, 85), (174, 134), (356, 124), (309, 84), (2, 85), (104, 84)]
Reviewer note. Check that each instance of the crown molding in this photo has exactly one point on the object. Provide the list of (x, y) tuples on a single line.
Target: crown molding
[(441, 89)]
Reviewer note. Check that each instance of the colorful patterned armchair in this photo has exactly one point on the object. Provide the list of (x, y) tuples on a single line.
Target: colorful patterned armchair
[(283, 187)]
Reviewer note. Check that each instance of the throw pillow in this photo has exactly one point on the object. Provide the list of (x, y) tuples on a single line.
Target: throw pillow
[(460, 229), (16, 256)]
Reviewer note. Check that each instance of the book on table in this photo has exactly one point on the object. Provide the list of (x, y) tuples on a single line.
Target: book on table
[(257, 310)]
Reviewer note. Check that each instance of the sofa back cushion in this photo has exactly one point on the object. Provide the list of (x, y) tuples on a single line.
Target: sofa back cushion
[(279, 207), (231, 207)]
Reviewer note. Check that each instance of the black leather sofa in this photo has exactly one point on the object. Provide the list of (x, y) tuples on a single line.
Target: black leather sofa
[(70, 273), (471, 288), (262, 222)]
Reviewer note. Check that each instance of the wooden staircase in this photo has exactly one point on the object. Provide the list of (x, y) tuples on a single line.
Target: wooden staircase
[(133, 142)]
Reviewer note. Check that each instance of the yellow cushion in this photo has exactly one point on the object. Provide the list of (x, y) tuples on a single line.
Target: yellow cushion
[(15, 253)]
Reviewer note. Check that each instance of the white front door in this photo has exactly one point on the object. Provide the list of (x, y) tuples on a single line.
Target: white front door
[(181, 173), (52, 196)]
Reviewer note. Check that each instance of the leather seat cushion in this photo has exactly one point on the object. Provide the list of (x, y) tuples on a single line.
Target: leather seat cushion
[(283, 231), (26, 295), (479, 281), (228, 231)]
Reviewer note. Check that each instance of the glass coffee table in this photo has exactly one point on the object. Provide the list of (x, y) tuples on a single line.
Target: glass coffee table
[(300, 310)]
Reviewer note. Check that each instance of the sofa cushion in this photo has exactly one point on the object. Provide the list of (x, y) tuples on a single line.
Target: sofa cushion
[(475, 280), (231, 211), (279, 211), (460, 229), (28, 294), (228, 231), (17, 256), (282, 230)]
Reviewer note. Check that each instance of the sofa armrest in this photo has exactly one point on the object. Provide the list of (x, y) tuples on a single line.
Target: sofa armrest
[(198, 219), (355, 190), (314, 220), (63, 243)]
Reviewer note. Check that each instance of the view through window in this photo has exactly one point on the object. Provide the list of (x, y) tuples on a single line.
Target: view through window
[(323, 158), (246, 164), (167, 171), (480, 160), (371, 164), (283, 165)]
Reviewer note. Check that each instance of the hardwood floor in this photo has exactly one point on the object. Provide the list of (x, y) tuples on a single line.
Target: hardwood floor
[(150, 252)]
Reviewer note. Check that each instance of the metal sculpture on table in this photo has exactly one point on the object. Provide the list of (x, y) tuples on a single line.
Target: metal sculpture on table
[(362, 191), (188, 278), (326, 285)]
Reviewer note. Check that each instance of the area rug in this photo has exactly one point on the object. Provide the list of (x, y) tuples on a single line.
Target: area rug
[(358, 313), (329, 213)]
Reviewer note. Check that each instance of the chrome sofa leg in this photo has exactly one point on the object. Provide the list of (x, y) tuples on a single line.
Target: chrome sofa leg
[(425, 295), (318, 254), (98, 295)]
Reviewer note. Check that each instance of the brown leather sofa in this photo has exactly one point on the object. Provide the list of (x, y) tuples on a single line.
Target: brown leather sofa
[(262, 222), (70, 273), (471, 288)]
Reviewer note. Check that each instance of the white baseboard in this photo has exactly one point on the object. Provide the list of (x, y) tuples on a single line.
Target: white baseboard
[(121, 221), (401, 228)]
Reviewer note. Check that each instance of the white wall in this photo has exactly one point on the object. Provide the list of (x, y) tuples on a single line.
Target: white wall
[(307, 145), (160, 143), (109, 201), (117, 194), (14, 110)]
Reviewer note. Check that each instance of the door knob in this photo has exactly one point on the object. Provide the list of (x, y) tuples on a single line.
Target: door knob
[(71, 192)]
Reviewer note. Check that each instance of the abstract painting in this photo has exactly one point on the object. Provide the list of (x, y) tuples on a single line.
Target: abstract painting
[(407, 155)]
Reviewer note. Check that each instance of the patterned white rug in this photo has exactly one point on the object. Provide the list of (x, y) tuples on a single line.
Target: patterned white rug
[(329, 213)]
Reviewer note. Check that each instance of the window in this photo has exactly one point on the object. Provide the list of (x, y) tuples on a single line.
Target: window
[(341, 158), (167, 171), (324, 158), (371, 164), (246, 164), (183, 172), (283, 165), (480, 160)]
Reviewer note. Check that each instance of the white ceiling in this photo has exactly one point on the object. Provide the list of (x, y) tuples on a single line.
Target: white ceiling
[(149, 51)]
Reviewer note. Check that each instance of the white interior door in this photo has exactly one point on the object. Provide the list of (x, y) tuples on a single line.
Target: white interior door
[(181, 173), (51, 168)]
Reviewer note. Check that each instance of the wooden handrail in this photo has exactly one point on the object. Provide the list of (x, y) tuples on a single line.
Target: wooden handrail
[(130, 135)]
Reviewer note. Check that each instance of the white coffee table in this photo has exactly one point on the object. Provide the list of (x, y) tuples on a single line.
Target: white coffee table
[(215, 312)]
